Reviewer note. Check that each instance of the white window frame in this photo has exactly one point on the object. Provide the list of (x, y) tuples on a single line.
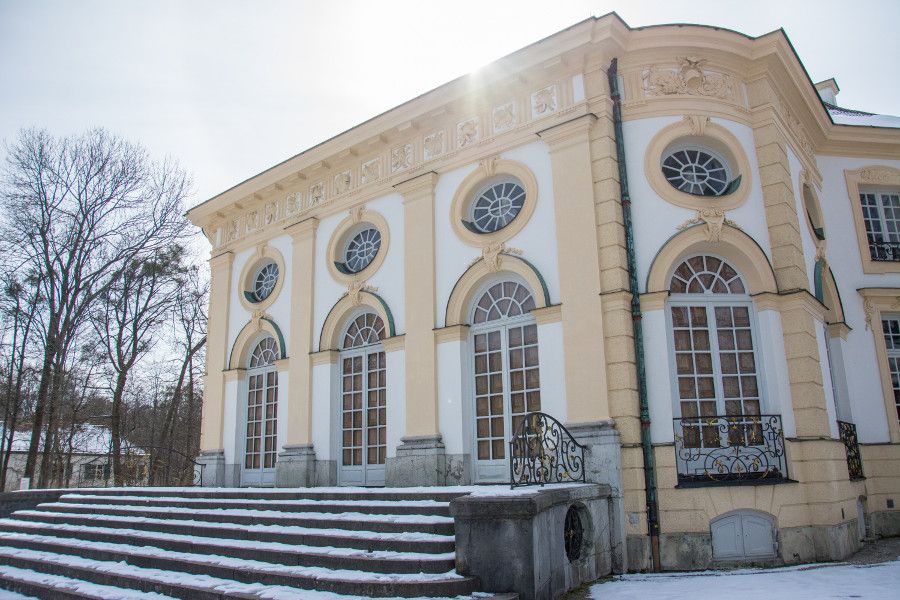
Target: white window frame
[(262, 476), (368, 475), (496, 470), (888, 237)]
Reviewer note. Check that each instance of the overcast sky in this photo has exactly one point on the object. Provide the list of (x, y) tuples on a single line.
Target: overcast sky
[(231, 88)]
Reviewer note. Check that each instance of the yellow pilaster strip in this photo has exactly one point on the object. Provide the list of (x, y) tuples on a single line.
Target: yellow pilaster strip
[(216, 352), (579, 269), (303, 256), (419, 305), (799, 325)]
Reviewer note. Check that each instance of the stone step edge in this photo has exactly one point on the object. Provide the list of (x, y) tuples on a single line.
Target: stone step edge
[(386, 508), (156, 580), (15, 582), (327, 521), (323, 537), (247, 570), (382, 494), (375, 564)]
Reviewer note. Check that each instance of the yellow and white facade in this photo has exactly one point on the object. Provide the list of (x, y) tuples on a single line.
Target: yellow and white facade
[(386, 305)]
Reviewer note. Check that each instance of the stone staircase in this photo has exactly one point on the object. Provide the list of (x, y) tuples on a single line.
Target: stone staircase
[(316, 544)]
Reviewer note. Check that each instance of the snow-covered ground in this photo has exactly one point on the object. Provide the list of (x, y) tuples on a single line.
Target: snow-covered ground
[(808, 582)]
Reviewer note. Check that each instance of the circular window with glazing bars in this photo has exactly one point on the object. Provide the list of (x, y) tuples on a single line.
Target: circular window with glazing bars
[(265, 281), (698, 171), (361, 250), (495, 206)]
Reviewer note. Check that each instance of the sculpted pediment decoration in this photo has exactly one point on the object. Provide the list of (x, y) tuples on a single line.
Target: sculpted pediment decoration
[(689, 78), (715, 221), (355, 290), (879, 175)]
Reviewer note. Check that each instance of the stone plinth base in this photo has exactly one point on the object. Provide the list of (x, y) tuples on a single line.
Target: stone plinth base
[(517, 542), (420, 461), (296, 466), (603, 464), (212, 468)]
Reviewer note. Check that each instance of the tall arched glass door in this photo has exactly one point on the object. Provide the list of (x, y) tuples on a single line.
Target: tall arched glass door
[(716, 367), (363, 402), (260, 447), (506, 376)]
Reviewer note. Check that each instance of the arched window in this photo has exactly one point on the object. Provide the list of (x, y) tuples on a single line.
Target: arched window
[(363, 402), (262, 414), (506, 374), (715, 363)]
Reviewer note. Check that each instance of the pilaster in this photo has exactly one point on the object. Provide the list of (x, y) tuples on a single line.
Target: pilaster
[(799, 323), (220, 292), (419, 305), (296, 461), (579, 269)]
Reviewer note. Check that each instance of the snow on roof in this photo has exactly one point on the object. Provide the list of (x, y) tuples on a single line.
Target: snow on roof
[(87, 439), (848, 116)]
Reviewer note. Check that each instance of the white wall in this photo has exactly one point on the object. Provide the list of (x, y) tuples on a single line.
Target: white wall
[(280, 309), (388, 279), (863, 379), (656, 220), (537, 240)]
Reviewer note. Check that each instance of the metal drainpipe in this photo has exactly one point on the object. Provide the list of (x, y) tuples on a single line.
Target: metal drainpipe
[(638, 332)]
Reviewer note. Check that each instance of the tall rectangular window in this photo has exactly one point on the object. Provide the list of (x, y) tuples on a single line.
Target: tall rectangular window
[(891, 328), (881, 215)]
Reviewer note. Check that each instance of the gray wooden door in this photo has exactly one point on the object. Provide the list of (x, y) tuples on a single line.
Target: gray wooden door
[(743, 535)]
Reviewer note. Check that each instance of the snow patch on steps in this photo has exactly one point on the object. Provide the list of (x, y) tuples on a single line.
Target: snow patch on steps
[(263, 501), (318, 573), (91, 590), (149, 536), (288, 529), (269, 514)]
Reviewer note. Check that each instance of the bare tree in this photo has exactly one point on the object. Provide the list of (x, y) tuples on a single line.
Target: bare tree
[(190, 333), (20, 305), (78, 211), (132, 309)]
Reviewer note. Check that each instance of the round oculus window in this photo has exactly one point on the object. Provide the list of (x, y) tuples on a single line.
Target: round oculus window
[(697, 171), (496, 206), (265, 281), (362, 249)]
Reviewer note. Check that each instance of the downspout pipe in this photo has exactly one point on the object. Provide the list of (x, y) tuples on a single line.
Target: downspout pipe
[(636, 321)]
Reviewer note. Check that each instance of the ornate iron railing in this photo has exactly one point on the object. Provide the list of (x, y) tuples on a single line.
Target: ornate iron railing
[(729, 448), (885, 251), (851, 445), (543, 451)]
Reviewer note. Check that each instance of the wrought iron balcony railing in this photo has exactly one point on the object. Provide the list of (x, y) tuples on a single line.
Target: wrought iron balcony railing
[(851, 445), (885, 251), (543, 451), (730, 448)]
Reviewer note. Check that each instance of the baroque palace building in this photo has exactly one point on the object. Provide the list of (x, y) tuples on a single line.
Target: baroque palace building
[(667, 238)]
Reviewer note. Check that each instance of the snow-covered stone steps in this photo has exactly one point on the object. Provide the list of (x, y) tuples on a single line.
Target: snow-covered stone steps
[(366, 506), (58, 538), (55, 587), (351, 520), (245, 543), (442, 494), (185, 575), (411, 540)]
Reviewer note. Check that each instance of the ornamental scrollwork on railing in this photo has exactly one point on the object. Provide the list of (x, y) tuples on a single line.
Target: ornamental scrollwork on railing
[(729, 448), (543, 451), (851, 444)]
